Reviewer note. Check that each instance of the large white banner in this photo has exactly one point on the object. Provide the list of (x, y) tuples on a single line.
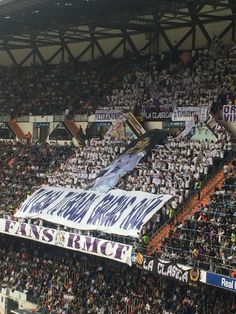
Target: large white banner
[(188, 113), (116, 212), (113, 250)]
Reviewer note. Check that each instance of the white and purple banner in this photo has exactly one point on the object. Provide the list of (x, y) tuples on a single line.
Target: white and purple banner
[(113, 250), (107, 115), (115, 212), (188, 113), (229, 113)]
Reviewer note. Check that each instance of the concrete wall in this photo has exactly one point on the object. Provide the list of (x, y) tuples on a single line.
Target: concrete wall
[(150, 125)]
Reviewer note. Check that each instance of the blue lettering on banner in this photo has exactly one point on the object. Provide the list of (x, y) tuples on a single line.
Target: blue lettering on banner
[(58, 208), (103, 213), (74, 206), (221, 281), (117, 212), (41, 200), (78, 210), (135, 218)]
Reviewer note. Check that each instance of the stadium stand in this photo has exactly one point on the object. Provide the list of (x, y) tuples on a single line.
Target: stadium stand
[(86, 162), (23, 168), (133, 85), (180, 167), (63, 282), (183, 248), (208, 236)]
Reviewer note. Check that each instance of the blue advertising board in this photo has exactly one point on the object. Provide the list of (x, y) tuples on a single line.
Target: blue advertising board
[(221, 281)]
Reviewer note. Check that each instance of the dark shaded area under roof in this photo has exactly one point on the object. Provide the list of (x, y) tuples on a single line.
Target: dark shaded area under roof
[(17, 16), (33, 24)]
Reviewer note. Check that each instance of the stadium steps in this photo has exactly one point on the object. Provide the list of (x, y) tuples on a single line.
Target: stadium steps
[(72, 127), (190, 208), (15, 128)]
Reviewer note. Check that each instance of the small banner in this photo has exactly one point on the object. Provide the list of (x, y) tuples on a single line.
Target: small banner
[(188, 113), (153, 114), (107, 115), (113, 250), (221, 281), (229, 113), (168, 269), (116, 212)]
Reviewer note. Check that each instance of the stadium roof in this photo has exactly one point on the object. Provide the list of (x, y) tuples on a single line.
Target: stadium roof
[(41, 23), (27, 15)]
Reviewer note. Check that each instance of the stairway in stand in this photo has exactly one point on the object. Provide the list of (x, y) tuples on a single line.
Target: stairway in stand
[(190, 208), (14, 126), (72, 127)]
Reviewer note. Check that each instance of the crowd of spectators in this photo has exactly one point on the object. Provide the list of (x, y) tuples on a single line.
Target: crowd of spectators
[(129, 84), (86, 162), (179, 168), (57, 89), (208, 237), (23, 169), (208, 79), (63, 282)]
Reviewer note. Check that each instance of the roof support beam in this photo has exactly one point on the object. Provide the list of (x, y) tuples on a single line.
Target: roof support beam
[(155, 37), (202, 28), (201, 6), (167, 16), (92, 51), (232, 6), (233, 9), (193, 36), (11, 55), (84, 51), (120, 43), (233, 31), (165, 37), (96, 43), (195, 19), (34, 58), (38, 53), (226, 30), (130, 42), (56, 53), (182, 40), (26, 58), (160, 29), (66, 48)]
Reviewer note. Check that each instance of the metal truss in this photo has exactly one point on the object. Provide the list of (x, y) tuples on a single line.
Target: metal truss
[(34, 24)]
